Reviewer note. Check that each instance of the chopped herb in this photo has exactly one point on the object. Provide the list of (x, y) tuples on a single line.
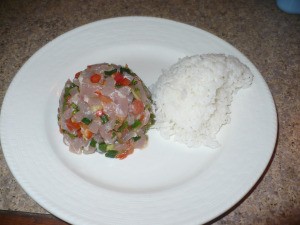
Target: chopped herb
[(111, 153), (123, 126), (67, 94), (125, 69), (86, 121), (136, 138), (152, 118), (150, 123), (111, 72), (72, 136), (102, 147), (133, 82), (104, 118), (136, 124), (75, 107), (67, 89), (93, 143)]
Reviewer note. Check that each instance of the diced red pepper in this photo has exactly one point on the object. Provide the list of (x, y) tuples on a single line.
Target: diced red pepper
[(72, 125), (118, 77), (95, 78), (125, 82), (121, 80)]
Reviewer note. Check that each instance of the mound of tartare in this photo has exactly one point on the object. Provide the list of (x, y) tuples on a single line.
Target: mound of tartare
[(106, 109)]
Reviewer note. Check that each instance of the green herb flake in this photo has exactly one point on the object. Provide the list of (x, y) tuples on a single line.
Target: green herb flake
[(123, 126), (93, 143), (150, 123), (72, 136), (67, 94), (133, 82), (75, 107), (125, 69), (111, 72), (136, 124), (152, 118), (111, 153), (136, 138), (102, 147), (104, 118), (86, 121), (67, 89)]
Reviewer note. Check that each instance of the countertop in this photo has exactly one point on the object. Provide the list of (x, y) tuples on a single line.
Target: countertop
[(269, 37)]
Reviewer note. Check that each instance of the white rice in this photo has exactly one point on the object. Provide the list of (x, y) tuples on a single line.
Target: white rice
[(193, 96)]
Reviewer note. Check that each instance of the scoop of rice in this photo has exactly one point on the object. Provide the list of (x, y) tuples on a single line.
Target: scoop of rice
[(193, 96)]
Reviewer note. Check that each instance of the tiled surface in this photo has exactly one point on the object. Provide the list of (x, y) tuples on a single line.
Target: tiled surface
[(267, 36)]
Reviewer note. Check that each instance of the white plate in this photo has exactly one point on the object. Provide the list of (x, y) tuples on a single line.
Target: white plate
[(166, 183)]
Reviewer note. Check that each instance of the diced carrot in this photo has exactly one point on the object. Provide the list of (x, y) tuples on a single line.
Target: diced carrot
[(72, 125), (95, 78)]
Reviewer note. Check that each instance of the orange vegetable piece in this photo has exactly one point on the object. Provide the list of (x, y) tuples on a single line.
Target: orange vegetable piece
[(95, 78), (72, 125)]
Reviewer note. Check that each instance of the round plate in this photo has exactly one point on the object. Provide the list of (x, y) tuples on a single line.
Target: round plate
[(165, 183)]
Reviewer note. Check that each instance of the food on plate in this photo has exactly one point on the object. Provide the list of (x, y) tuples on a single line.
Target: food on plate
[(193, 96), (107, 109)]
